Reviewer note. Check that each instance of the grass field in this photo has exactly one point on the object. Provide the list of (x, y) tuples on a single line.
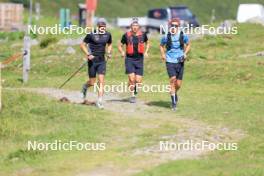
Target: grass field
[(220, 89)]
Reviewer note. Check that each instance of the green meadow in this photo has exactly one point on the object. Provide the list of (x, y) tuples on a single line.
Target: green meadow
[(220, 88)]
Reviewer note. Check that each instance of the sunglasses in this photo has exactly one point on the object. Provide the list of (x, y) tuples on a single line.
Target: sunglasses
[(101, 24), (174, 25)]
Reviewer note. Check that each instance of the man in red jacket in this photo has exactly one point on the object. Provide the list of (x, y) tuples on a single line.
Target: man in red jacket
[(137, 46)]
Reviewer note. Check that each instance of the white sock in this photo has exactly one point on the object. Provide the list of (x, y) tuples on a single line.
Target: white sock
[(100, 99)]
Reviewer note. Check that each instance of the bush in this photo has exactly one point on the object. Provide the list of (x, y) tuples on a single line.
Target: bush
[(26, 3), (47, 41), (11, 36)]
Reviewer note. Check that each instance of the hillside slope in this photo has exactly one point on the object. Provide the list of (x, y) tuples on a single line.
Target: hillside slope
[(123, 8)]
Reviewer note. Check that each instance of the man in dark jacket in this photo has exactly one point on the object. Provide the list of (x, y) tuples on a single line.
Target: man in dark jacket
[(94, 46)]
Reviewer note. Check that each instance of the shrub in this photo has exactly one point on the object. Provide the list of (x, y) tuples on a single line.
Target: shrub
[(47, 41), (12, 35), (26, 3)]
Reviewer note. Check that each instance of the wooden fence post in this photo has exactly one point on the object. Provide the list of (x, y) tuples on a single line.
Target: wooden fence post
[(26, 59)]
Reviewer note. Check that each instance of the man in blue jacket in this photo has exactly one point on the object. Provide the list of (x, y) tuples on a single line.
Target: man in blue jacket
[(174, 48)]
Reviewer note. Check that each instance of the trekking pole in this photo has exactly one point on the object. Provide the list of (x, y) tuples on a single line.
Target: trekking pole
[(73, 75)]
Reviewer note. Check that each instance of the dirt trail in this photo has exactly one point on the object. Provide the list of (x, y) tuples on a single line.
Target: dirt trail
[(150, 156), (113, 102)]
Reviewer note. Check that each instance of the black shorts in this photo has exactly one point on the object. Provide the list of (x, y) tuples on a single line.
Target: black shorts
[(134, 66), (96, 68), (175, 69)]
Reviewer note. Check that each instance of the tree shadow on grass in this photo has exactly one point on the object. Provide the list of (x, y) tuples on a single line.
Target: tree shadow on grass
[(163, 104), (119, 100), (20, 80)]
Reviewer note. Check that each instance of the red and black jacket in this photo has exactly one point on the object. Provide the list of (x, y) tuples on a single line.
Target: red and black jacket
[(130, 44)]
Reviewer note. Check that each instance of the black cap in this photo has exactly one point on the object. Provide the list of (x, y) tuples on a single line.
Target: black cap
[(101, 22)]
